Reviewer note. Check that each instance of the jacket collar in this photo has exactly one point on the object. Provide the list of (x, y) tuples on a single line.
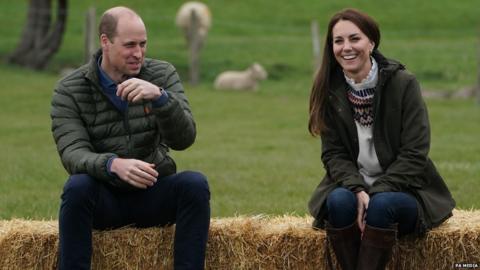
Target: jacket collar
[(385, 64), (92, 70), (386, 68)]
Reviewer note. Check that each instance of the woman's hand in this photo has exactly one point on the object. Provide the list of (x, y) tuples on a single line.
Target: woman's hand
[(362, 203)]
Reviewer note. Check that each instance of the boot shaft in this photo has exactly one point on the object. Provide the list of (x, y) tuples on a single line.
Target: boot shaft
[(346, 244), (376, 248)]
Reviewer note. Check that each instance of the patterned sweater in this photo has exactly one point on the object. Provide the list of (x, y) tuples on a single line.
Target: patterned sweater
[(361, 97), (362, 103)]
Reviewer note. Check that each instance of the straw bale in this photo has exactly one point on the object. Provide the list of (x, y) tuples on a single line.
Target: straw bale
[(455, 241), (264, 243), (245, 242), (28, 244)]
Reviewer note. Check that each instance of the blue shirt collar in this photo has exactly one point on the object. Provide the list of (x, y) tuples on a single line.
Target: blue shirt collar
[(105, 81)]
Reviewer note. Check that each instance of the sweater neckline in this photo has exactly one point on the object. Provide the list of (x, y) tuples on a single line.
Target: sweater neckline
[(369, 82)]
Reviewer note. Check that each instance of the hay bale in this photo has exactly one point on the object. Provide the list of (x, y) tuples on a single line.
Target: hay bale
[(28, 244), (265, 243), (34, 245), (455, 241), (257, 242)]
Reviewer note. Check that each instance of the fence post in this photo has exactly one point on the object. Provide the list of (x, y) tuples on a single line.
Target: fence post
[(90, 34), (194, 45), (317, 58), (477, 89)]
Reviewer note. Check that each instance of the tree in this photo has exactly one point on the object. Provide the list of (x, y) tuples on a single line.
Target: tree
[(41, 38)]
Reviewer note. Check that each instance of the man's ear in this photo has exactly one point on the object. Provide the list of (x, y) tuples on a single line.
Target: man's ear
[(104, 41)]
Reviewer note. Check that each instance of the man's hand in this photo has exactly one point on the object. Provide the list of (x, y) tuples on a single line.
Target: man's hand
[(135, 90), (135, 172), (362, 204)]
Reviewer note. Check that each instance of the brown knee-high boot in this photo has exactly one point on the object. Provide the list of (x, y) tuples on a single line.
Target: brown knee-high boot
[(376, 248), (346, 243)]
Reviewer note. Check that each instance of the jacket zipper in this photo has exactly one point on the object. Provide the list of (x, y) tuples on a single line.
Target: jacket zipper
[(126, 125), (127, 128)]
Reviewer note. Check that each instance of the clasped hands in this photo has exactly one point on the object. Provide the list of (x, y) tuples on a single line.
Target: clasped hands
[(135, 89), (362, 204)]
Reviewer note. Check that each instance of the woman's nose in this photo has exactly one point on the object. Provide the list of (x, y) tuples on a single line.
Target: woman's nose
[(347, 45)]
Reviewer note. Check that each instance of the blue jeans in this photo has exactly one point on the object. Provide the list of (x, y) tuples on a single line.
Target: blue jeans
[(88, 204), (384, 210)]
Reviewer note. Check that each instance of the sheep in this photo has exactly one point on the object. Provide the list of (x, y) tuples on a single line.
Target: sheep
[(184, 19), (241, 80)]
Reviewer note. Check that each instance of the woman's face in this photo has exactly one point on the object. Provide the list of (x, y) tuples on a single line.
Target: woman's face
[(352, 48)]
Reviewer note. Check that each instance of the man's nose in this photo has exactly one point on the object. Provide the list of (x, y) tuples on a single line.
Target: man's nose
[(137, 52)]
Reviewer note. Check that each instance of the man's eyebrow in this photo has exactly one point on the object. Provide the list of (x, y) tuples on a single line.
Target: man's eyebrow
[(130, 42)]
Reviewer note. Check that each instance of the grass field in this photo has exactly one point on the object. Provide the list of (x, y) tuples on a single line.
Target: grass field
[(254, 147)]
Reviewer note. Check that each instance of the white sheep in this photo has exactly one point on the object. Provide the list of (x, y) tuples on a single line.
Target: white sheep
[(184, 19), (241, 80)]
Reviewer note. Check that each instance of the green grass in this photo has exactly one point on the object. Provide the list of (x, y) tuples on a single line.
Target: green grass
[(254, 147), (437, 40)]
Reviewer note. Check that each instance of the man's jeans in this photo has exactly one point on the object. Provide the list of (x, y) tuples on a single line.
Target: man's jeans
[(88, 204)]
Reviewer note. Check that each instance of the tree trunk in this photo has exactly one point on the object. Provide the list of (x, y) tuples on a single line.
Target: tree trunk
[(40, 39)]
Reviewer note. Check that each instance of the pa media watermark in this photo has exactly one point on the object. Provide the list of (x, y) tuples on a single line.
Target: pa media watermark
[(466, 266)]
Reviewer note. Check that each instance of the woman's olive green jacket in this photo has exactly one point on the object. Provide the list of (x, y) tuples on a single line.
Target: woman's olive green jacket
[(401, 135), (89, 130)]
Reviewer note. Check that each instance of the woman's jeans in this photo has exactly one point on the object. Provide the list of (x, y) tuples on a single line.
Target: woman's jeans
[(181, 199), (384, 210)]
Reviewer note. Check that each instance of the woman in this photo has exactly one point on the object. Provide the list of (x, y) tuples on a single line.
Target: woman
[(379, 183)]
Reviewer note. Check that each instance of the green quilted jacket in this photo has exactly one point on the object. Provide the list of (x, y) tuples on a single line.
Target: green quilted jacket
[(89, 130)]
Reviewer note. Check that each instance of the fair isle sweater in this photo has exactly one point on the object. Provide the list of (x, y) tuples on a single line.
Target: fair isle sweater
[(361, 96)]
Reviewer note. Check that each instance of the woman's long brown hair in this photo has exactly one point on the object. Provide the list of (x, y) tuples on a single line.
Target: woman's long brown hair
[(318, 100)]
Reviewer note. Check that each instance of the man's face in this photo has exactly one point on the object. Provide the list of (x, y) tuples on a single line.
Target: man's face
[(123, 56)]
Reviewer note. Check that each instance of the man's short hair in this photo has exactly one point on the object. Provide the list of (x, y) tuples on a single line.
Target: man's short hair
[(108, 26)]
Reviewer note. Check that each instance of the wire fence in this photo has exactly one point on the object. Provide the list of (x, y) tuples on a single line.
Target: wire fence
[(228, 25), (231, 32)]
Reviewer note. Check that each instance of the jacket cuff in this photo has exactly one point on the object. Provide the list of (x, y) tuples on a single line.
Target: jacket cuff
[(109, 165), (162, 100), (381, 188), (354, 185)]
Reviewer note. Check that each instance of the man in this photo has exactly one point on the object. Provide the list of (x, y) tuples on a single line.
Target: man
[(113, 121)]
